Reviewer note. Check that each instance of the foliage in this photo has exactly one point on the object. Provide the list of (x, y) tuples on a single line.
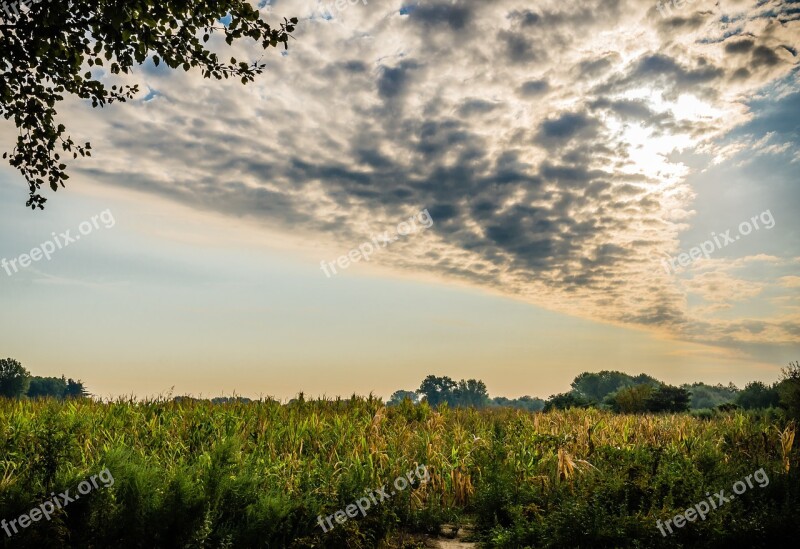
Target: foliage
[(471, 392), (198, 474), (710, 396), (789, 389), (565, 401), (399, 396), (757, 395), (631, 400), (441, 390), (597, 386), (56, 387), (437, 390), (14, 378), (668, 398), (528, 403), (58, 48)]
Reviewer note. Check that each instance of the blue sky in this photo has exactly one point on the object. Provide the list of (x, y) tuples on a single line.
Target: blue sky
[(561, 151)]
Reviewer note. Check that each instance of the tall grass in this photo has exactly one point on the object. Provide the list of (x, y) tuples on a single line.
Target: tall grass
[(195, 474)]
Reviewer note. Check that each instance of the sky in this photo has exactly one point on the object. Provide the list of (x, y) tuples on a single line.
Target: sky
[(542, 188)]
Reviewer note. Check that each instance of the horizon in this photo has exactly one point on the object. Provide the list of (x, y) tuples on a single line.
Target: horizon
[(170, 394)]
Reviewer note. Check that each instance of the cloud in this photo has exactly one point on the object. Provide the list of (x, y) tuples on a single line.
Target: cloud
[(542, 140)]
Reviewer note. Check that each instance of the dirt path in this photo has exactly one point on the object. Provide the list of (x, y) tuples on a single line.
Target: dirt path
[(457, 542), (454, 544)]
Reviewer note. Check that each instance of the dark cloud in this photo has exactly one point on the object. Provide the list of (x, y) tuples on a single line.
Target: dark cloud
[(393, 82), (518, 47), (567, 126), (739, 46), (525, 18), (441, 14), (764, 56), (592, 68), (473, 107), (532, 88), (626, 108)]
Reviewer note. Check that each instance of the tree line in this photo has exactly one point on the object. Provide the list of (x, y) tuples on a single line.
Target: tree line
[(465, 393), (619, 392), (17, 382)]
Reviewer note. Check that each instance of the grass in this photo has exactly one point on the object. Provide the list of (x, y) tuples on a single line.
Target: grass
[(193, 474)]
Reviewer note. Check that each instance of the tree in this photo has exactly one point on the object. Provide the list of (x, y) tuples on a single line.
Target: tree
[(14, 378), (56, 387), (565, 401), (789, 389), (643, 379), (399, 396), (528, 403), (631, 400), (75, 389), (757, 395), (437, 390), (531, 404), (597, 386), (710, 396), (43, 387), (668, 398), (55, 48), (470, 393)]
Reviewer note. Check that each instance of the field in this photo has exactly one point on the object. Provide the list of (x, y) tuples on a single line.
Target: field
[(195, 474)]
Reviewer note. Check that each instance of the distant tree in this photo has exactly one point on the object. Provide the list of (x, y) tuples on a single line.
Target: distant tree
[(644, 379), (55, 387), (564, 401), (56, 49), (728, 407), (757, 395), (75, 389), (230, 400), (668, 399), (597, 386), (789, 389), (531, 404), (14, 378), (399, 396), (710, 396), (470, 393), (437, 390), (631, 400), (527, 403), (42, 387)]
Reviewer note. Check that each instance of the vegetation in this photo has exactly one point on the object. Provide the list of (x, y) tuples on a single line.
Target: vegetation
[(14, 378), (789, 389), (757, 395), (16, 382), (57, 48), (258, 474), (231, 472), (56, 387), (466, 393)]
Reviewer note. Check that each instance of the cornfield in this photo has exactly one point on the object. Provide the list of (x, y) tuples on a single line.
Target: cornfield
[(195, 474)]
